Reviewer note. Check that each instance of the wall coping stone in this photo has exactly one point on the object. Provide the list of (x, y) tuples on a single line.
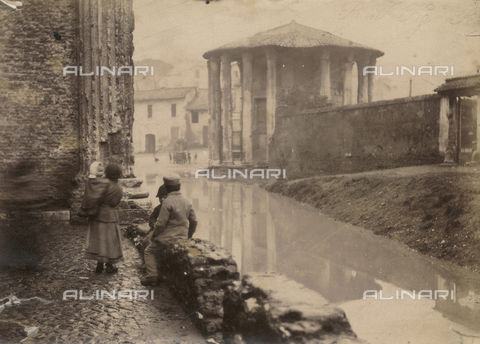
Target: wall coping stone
[(365, 105), (273, 308)]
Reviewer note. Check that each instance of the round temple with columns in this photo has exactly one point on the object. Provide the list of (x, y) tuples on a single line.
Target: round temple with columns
[(291, 55)]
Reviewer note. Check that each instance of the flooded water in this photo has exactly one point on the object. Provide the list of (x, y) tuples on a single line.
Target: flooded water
[(268, 232)]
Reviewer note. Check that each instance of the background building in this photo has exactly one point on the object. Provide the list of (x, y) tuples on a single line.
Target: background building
[(161, 118)]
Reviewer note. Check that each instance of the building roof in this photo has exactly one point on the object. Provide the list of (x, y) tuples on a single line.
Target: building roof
[(200, 102), (164, 93), (463, 82), (292, 35)]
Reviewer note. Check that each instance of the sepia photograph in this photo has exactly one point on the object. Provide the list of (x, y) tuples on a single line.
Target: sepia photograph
[(240, 171)]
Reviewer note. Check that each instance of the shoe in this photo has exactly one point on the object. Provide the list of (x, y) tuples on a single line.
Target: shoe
[(149, 281), (111, 269), (99, 268)]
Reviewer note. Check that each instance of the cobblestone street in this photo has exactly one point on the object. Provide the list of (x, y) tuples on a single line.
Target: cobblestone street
[(62, 268)]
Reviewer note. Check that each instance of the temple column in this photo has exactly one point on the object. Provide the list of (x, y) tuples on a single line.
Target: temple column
[(325, 85), (271, 94), (347, 81), (106, 104), (362, 91), (371, 62), (217, 108), (443, 125), (226, 107), (211, 118), (247, 72), (452, 145)]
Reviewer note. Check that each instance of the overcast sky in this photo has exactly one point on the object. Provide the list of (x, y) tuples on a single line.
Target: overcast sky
[(411, 33)]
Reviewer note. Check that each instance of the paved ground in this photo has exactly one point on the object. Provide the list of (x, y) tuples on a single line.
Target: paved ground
[(90, 321)]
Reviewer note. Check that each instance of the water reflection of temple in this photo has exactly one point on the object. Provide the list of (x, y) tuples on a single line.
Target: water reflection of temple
[(267, 232)]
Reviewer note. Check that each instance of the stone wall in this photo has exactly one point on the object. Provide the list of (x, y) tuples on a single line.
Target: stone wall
[(362, 137), (262, 308), (198, 273), (39, 111), (61, 123), (271, 308)]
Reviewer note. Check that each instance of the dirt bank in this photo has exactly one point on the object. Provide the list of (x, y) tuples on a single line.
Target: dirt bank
[(431, 209)]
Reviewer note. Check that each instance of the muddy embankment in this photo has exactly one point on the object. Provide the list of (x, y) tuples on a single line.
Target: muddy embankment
[(436, 213)]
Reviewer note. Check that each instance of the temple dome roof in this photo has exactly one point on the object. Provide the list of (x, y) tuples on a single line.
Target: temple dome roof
[(291, 35)]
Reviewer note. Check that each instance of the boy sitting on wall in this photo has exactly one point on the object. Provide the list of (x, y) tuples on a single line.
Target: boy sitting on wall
[(177, 221)]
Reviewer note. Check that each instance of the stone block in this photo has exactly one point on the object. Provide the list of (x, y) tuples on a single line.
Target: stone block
[(218, 272), (143, 203), (127, 216), (275, 307), (135, 193), (130, 182), (55, 216)]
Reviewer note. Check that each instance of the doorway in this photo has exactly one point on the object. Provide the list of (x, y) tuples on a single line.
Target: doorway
[(150, 143)]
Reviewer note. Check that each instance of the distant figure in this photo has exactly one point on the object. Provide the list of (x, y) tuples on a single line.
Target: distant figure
[(189, 158), (170, 156), (195, 157), (156, 160), (103, 236)]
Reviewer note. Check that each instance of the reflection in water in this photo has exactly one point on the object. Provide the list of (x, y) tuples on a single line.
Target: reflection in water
[(267, 232)]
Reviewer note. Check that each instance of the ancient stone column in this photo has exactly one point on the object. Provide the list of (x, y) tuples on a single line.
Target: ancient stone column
[(371, 62), (271, 93), (347, 80), (443, 125), (217, 108), (325, 74), (362, 91), (452, 146), (211, 118), (247, 106), (226, 107), (105, 79)]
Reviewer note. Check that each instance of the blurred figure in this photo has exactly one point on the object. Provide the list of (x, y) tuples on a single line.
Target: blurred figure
[(196, 156), (20, 226), (104, 237)]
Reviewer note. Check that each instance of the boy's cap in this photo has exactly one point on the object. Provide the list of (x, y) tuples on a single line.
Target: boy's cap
[(171, 179), (162, 191)]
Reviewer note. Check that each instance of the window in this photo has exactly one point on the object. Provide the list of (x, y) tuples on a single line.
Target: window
[(174, 110), (194, 116), (150, 111)]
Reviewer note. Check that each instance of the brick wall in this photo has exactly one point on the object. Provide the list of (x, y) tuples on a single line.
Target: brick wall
[(61, 124), (362, 137), (39, 106)]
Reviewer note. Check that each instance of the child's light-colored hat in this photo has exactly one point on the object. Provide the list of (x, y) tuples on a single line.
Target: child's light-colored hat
[(96, 170)]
